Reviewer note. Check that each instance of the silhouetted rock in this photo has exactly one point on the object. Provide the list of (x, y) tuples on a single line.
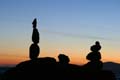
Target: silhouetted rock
[(34, 51), (35, 36), (34, 48), (34, 23), (63, 59), (94, 56), (94, 64), (48, 69), (41, 68)]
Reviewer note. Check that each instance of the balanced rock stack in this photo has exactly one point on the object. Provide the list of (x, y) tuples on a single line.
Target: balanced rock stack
[(34, 48), (94, 57)]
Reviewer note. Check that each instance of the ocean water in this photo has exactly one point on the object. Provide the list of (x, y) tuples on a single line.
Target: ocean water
[(4, 69), (117, 74)]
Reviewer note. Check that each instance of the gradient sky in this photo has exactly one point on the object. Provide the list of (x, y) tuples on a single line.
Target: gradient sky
[(66, 26)]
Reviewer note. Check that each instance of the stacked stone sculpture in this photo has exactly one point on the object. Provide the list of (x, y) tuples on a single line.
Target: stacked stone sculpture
[(34, 48), (94, 57)]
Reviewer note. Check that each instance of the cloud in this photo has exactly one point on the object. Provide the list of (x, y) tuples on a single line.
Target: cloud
[(73, 35)]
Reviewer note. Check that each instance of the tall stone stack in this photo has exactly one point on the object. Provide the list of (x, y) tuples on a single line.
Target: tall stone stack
[(34, 48)]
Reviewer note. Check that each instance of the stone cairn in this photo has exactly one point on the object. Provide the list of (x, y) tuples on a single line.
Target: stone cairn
[(94, 57), (34, 48)]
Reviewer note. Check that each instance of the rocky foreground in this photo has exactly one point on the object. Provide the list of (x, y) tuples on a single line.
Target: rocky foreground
[(49, 69)]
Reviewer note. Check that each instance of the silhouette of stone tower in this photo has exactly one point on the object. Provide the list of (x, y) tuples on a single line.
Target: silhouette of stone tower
[(34, 48), (94, 57)]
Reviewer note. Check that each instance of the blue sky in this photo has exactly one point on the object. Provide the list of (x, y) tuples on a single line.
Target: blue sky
[(79, 16), (60, 22)]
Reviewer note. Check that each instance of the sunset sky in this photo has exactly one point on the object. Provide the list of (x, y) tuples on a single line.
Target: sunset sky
[(66, 26)]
